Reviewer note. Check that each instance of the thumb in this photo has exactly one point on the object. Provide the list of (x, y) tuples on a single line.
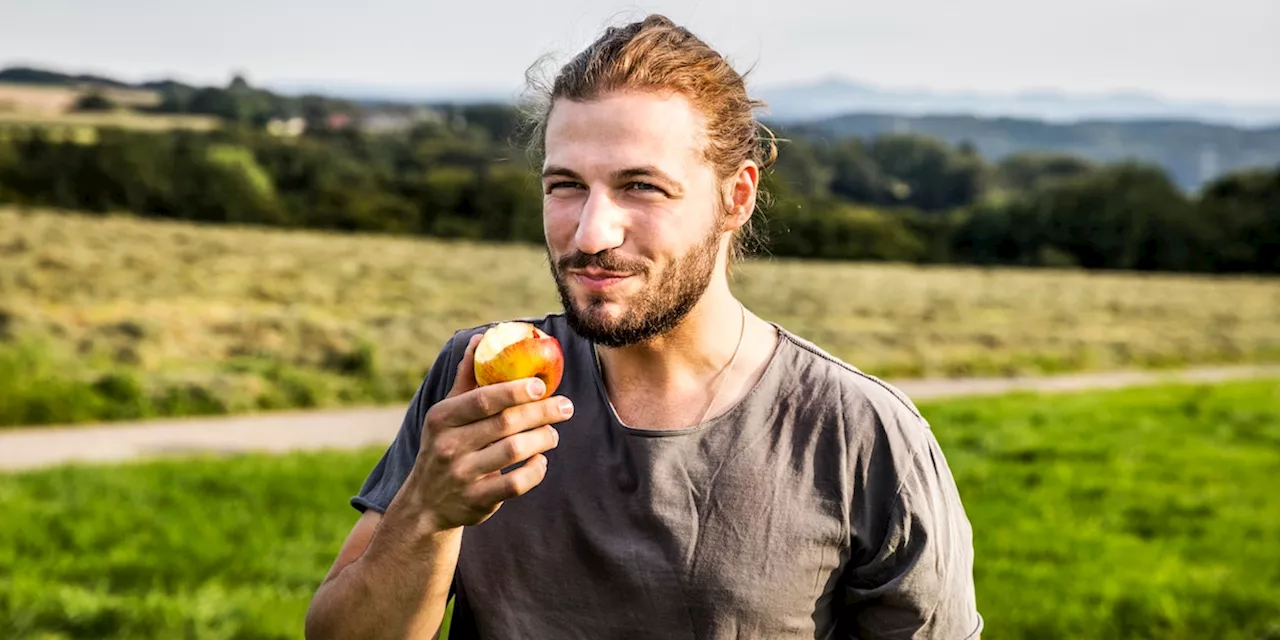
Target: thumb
[(465, 378)]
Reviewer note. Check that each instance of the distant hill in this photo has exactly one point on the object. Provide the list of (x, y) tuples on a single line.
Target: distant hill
[(1192, 152), (837, 96), (29, 75)]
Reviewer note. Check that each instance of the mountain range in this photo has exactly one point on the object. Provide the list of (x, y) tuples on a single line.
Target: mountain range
[(837, 96)]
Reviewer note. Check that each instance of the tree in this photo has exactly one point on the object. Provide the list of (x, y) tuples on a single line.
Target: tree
[(927, 174), (1030, 170), (94, 101), (1244, 209)]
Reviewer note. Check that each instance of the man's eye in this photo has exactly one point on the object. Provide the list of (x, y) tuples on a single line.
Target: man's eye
[(562, 185), (645, 186)]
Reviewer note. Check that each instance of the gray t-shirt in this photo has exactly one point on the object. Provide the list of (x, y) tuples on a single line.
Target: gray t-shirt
[(819, 506)]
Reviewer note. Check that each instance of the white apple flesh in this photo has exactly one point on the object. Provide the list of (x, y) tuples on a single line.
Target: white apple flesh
[(515, 350)]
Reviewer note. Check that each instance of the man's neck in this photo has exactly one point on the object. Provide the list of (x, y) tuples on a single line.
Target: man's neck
[(677, 379), (691, 353)]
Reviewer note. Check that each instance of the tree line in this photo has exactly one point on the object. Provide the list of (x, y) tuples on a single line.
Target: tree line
[(905, 198)]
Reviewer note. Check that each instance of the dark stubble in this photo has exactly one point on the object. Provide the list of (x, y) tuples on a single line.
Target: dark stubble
[(657, 308)]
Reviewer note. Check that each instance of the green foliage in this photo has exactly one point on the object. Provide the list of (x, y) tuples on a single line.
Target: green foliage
[(94, 101), (1186, 150), (1136, 514), (1024, 172), (1126, 217), (896, 197), (1243, 209)]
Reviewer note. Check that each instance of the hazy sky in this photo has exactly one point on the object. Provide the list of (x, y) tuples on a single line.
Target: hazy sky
[(1224, 50)]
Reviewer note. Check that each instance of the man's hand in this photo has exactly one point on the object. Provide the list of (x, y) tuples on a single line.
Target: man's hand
[(472, 435)]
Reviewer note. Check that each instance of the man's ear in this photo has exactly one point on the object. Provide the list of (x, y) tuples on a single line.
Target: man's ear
[(740, 197)]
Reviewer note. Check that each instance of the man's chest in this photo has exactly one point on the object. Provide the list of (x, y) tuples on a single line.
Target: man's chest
[(664, 537)]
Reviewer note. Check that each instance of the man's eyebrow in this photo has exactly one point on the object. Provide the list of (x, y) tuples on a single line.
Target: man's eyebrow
[(564, 172)]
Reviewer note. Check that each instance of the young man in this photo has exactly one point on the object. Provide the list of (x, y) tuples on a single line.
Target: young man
[(703, 473)]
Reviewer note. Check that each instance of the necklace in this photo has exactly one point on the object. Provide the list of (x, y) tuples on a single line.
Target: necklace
[(722, 376)]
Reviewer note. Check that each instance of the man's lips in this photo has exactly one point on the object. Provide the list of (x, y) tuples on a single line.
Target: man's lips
[(598, 279)]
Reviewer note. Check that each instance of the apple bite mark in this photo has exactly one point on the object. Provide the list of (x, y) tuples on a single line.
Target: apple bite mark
[(514, 350)]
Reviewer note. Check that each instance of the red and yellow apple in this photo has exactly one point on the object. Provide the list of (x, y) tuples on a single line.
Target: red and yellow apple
[(514, 350)]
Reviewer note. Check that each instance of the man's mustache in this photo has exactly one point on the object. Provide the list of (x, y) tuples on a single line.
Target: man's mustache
[(604, 260)]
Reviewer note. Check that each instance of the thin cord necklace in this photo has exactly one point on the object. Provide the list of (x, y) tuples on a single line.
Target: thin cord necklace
[(722, 375)]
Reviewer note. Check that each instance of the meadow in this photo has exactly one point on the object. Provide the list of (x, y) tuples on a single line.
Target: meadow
[(52, 106), (120, 118), (112, 317), (1136, 514), (38, 98)]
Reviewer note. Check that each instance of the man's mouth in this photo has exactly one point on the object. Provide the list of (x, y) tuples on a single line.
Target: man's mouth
[(598, 280)]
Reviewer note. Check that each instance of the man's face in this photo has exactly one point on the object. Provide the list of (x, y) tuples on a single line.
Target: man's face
[(632, 212)]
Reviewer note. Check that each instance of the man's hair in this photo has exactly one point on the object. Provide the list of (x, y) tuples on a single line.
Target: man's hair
[(657, 55)]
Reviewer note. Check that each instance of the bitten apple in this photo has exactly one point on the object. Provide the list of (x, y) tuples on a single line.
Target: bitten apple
[(515, 350)]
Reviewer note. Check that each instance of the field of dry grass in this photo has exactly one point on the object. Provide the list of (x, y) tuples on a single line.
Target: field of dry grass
[(36, 105), (149, 318), (120, 119), (32, 98)]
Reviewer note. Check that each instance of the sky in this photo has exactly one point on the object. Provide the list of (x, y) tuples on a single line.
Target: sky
[(1224, 50)]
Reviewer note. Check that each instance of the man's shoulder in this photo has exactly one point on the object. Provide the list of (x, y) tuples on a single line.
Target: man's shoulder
[(855, 387)]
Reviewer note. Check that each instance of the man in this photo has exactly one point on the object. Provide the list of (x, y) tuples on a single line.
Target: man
[(703, 473)]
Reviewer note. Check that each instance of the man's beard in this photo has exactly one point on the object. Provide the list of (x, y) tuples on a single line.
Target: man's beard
[(654, 310)]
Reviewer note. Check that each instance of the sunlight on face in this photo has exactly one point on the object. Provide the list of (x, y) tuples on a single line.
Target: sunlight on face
[(631, 210)]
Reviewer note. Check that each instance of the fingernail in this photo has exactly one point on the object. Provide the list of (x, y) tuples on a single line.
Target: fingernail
[(555, 436), (566, 407), (537, 388)]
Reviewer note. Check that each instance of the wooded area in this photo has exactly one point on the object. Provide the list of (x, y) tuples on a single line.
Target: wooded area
[(459, 171)]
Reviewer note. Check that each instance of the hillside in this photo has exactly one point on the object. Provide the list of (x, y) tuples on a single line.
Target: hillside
[(837, 96), (120, 318), (1193, 153)]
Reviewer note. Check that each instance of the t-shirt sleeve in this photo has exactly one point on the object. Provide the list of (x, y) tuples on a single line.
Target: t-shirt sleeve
[(914, 577), (397, 461)]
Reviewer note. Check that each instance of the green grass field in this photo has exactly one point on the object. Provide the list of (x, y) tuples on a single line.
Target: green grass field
[(118, 318), (1146, 513)]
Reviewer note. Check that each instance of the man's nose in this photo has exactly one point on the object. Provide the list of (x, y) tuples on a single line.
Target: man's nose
[(602, 224)]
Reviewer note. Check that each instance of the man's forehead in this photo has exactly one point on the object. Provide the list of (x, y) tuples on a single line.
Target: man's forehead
[(625, 128)]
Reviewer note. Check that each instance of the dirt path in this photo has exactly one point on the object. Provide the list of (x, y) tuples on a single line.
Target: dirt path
[(351, 428)]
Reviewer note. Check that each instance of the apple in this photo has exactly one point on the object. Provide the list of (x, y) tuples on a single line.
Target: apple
[(515, 350)]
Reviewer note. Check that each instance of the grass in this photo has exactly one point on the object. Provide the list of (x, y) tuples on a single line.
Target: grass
[(123, 119), (115, 317), (17, 96), (1144, 513), (52, 107)]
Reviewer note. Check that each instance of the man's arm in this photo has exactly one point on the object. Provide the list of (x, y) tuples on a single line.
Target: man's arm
[(391, 578), (396, 588)]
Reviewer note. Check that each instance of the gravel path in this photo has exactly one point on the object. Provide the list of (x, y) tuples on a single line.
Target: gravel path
[(31, 448)]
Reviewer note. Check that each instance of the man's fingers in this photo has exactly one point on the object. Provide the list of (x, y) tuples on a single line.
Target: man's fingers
[(497, 488), (480, 403), (513, 420), (464, 379), (509, 451)]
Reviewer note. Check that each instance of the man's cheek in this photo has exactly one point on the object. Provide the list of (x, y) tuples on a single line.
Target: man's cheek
[(559, 223)]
